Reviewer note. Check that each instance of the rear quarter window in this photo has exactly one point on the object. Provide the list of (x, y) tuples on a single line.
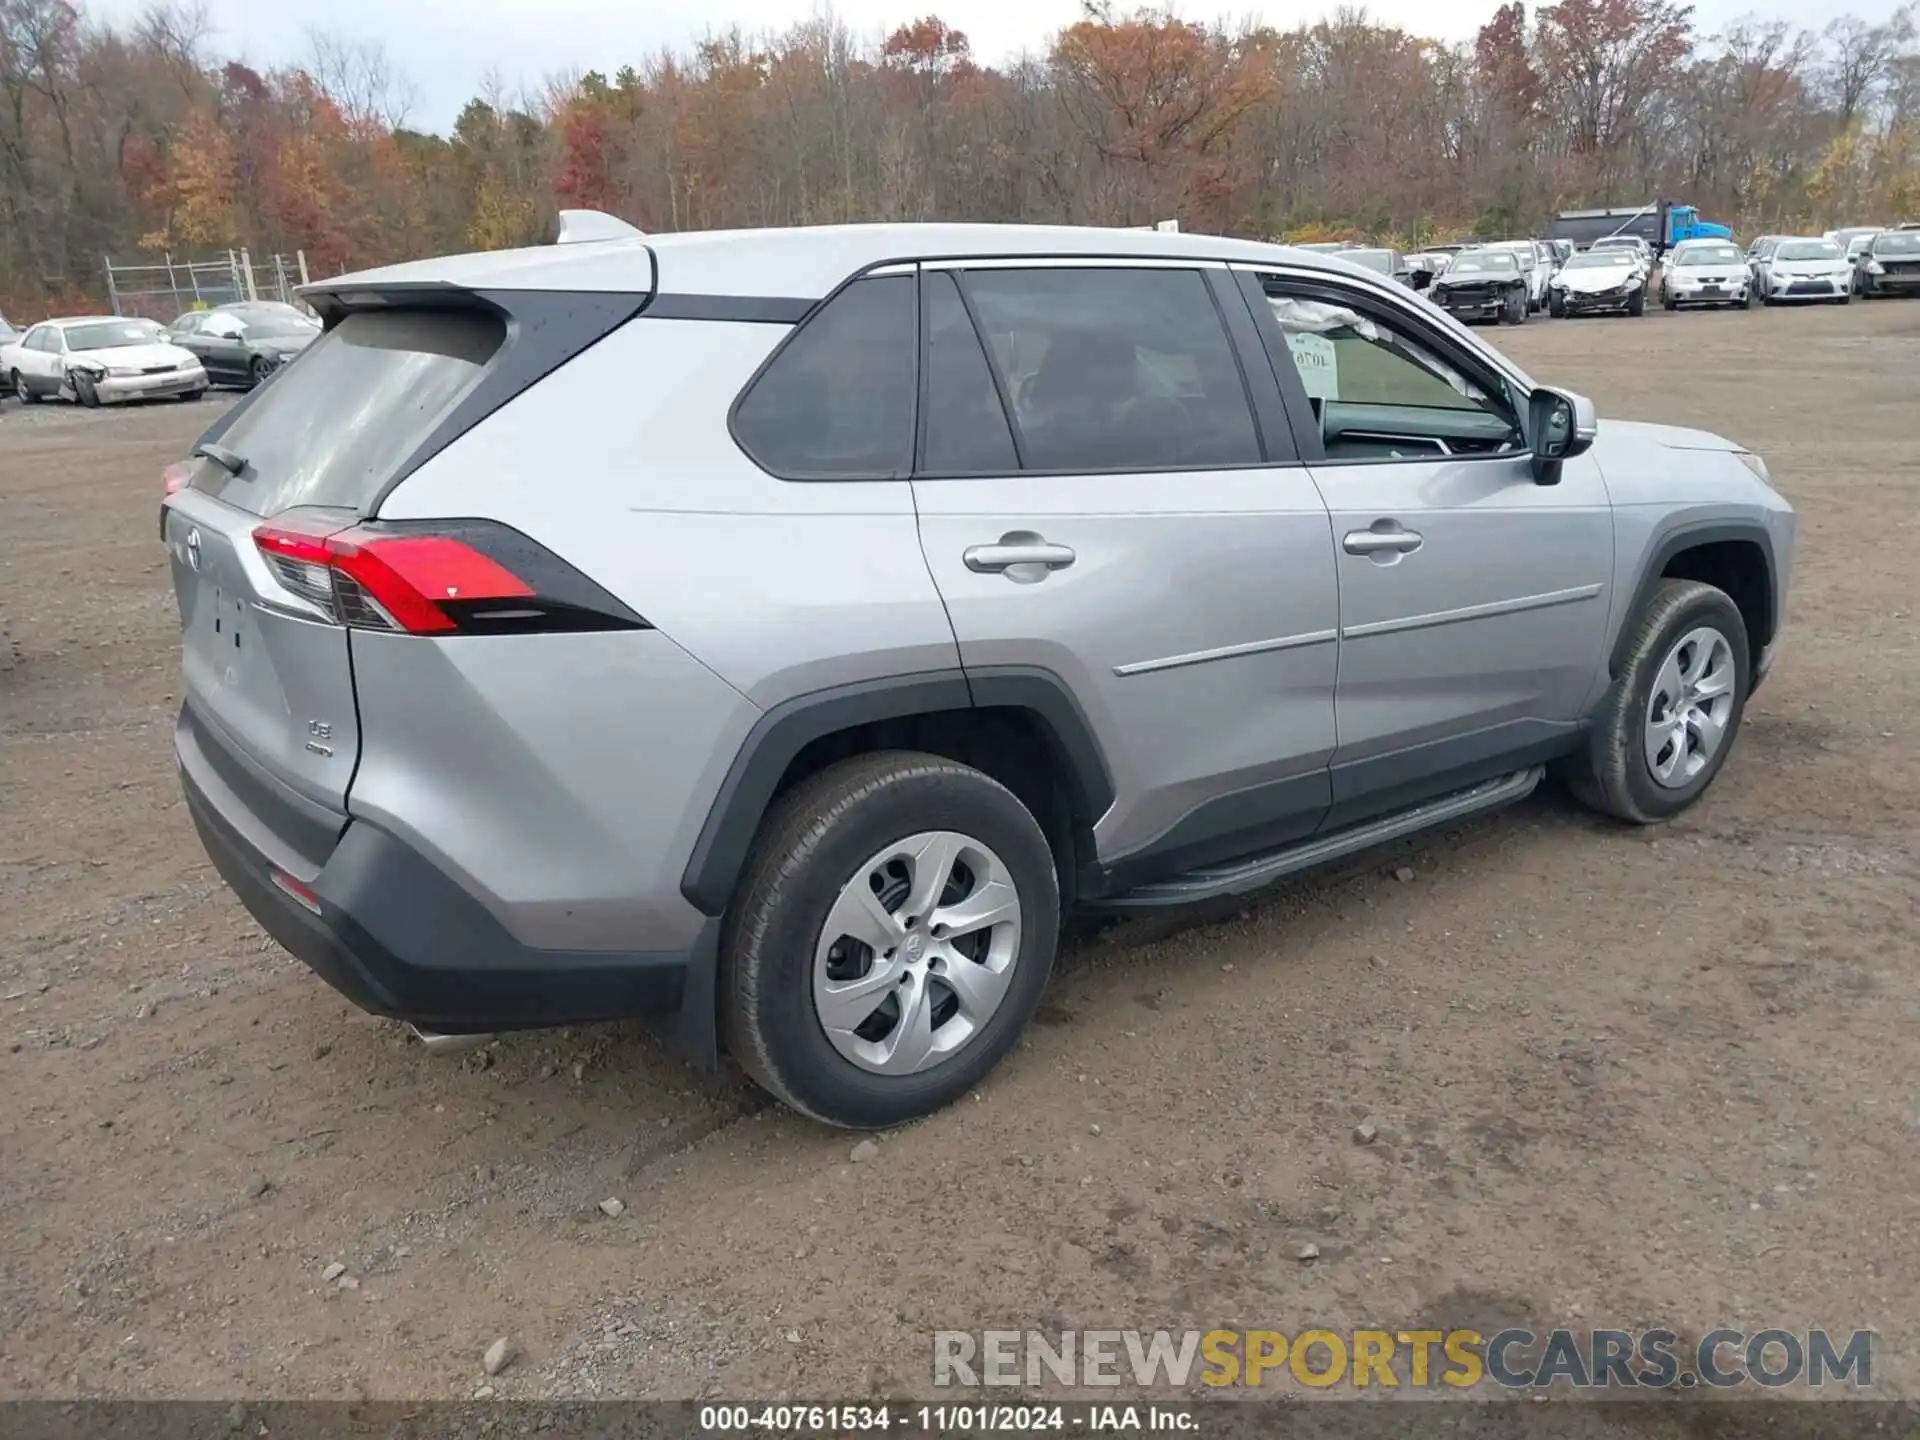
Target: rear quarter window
[(333, 428)]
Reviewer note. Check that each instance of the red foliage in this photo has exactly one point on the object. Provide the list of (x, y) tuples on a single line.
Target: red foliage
[(929, 46), (587, 156)]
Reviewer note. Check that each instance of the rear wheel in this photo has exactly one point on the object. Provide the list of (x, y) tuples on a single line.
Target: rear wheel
[(22, 389), (258, 369), (1668, 722), (892, 934)]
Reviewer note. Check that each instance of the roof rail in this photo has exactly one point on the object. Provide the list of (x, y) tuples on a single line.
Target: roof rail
[(581, 226)]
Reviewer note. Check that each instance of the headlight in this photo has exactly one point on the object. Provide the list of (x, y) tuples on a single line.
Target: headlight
[(1874, 267), (1754, 463)]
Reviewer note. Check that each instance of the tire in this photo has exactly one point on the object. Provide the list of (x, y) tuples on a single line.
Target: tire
[(1617, 776), (1557, 308), (1513, 310), (1637, 304), (832, 834), (190, 396), (1746, 301), (1668, 302), (257, 371), (85, 391), (22, 389)]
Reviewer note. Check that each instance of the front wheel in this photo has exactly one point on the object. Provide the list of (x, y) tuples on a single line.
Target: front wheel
[(893, 932), (1668, 722), (22, 389), (191, 395), (1637, 303), (1557, 308), (85, 391), (258, 369), (1514, 311)]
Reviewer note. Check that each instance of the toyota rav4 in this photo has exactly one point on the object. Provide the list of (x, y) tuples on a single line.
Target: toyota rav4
[(780, 631)]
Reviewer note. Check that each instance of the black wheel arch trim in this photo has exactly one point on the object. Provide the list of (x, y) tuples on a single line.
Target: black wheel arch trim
[(1686, 535), (720, 852)]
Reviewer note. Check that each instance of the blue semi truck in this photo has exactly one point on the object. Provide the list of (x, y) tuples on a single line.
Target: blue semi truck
[(1662, 224)]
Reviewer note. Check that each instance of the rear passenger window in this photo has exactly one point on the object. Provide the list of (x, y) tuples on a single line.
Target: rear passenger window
[(966, 427), (1121, 369), (836, 403)]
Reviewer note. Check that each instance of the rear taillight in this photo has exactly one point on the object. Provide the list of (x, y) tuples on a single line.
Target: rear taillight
[(458, 577), (174, 478)]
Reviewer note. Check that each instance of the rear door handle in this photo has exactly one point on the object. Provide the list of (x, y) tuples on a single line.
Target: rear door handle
[(1373, 542), (1019, 547)]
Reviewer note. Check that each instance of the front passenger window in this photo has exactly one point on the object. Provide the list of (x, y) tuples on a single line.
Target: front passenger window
[(1381, 392)]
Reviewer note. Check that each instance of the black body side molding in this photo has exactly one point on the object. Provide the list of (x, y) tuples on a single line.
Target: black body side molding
[(720, 853), (1685, 536)]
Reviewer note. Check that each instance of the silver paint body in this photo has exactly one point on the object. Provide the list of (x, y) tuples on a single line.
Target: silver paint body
[(1213, 629)]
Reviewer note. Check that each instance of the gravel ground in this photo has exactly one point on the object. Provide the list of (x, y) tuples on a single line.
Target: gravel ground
[(1616, 1077)]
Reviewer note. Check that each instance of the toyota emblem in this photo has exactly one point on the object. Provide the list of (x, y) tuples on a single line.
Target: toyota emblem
[(193, 547)]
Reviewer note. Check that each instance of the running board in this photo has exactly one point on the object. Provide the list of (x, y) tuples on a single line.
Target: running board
[(1211, 882)]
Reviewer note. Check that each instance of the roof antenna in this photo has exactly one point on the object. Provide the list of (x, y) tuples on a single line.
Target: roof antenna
[(579, 227)]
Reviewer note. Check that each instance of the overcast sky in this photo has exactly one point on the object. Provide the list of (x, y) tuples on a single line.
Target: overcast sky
[(448, 45)]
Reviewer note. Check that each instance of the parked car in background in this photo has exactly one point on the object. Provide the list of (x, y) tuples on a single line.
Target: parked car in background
[(1706, 272), (476, 728), (1804, 268), (1848, 235), (1484, 285), (1889, 264), (1381, 261), (1613, 278), (100, 360), (1535, 270), (1632, 243), (1562, 251), (243, 343), (1325, 247)]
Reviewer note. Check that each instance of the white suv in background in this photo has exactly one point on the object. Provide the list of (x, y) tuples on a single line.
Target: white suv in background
[(1537, 271)]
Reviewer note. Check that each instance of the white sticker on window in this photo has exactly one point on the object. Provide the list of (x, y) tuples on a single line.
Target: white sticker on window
[(1319, 368)]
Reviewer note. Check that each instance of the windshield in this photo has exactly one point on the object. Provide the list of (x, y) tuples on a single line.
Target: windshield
[(1381, 260), (1497, 262), (1707, 255), (1905, 243), (113, 334), (1615, 259), (1618, 242), (1808, 250)]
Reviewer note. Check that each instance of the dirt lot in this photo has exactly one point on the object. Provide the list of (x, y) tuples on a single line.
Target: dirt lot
[(1620, 1077)]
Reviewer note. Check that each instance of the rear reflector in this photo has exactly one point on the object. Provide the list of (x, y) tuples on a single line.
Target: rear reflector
[(301, 893), (435, 578)]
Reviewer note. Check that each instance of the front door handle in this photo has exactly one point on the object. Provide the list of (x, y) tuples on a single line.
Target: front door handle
[(1017, 547), (1376, 541)]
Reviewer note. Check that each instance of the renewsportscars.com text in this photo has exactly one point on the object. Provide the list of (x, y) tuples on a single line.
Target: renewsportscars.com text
[(1514, 1359)]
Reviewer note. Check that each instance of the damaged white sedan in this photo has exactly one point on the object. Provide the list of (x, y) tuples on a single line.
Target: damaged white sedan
[(100, 360)]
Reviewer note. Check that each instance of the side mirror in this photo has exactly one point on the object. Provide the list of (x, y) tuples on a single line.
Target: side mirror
[(1560, 425)]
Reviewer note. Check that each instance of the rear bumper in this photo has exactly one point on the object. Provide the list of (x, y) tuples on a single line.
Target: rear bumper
[(399, 938)]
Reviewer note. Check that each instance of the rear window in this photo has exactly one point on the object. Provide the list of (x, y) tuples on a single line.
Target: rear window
[(332, 428)]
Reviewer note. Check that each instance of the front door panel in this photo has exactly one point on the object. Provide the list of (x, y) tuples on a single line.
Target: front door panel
[(1480, 630)]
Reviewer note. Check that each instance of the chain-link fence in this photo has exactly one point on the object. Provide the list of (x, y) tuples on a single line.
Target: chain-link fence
[(165, 290)]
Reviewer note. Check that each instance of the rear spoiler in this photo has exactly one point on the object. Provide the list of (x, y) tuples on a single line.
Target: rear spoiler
[(578, 227)]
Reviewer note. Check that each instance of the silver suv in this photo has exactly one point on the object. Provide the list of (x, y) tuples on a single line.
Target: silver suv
[(782, 630)]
